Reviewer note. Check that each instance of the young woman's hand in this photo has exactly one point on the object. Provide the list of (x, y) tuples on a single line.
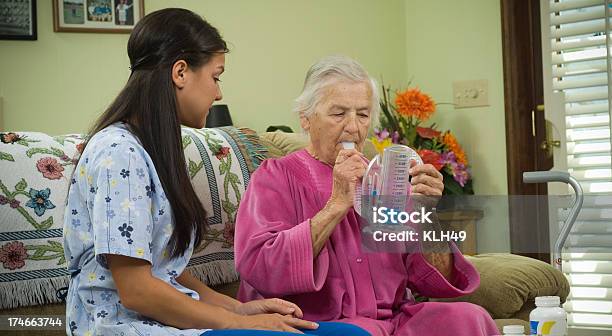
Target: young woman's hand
[(274, 322), (269, 306)]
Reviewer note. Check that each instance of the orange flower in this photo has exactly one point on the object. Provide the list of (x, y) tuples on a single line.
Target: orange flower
[(414, 103), (449, 140), (431, 157), (427, 132)]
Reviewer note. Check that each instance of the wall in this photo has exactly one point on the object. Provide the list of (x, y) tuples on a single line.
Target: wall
[(461, 40), (61, 82)]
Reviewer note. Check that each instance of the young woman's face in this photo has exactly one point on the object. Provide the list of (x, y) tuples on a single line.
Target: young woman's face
[(197, 89)]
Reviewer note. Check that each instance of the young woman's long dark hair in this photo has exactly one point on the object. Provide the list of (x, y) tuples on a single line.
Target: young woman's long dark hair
[(148, 105)]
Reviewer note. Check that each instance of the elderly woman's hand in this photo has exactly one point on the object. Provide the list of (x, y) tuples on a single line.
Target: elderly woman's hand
[(350, 166), (426, 180), (269, 306)]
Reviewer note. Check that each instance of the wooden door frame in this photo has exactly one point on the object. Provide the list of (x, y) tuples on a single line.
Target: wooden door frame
[(523, 91)]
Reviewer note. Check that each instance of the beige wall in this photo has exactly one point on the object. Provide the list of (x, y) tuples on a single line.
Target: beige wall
[(59, 83), (461, 40)]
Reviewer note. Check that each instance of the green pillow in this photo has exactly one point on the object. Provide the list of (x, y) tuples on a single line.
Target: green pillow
[(508, 282), (287, 143)]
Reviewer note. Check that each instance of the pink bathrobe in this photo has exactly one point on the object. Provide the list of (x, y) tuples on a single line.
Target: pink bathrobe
[(372, 290)]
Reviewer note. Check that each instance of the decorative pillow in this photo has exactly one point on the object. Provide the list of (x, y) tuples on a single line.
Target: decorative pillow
[(35, 171), (508, 282)]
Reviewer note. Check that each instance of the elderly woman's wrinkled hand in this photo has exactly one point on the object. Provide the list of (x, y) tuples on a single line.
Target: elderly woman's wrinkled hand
[(426, 180), (349, 167), (269, 306)]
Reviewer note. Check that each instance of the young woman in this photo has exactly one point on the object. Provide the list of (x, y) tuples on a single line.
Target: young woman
[(133, 218)]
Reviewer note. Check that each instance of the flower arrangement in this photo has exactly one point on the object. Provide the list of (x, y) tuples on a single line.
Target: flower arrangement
[(401, 123)]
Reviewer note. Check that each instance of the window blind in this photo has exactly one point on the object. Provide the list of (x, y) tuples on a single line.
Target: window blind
[(576, 41)]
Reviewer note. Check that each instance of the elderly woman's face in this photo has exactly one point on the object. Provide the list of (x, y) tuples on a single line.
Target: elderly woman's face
[(343, 114)]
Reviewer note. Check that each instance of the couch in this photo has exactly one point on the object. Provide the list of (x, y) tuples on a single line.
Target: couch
[(35, 170)]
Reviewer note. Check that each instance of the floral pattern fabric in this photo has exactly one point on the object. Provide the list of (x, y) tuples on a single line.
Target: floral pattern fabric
[(116, 205), (36, 170), (34, 177)]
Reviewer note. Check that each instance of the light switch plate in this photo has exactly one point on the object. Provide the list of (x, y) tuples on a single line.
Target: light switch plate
[(471, 93)]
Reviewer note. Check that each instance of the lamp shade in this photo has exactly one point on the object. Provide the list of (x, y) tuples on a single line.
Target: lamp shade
[(218, 116)]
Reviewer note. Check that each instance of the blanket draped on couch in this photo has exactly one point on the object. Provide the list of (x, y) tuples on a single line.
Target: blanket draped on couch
[(35, 172)]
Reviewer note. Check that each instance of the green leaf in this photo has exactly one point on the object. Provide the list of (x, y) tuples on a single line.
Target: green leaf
[(57, 152), (38, 254), (411, 136), (21, 185), (53, 151), (228, 207), (233, 178), (214, 148), (33, 151), (192, 164), (468, 189), (59, 139), (47, 223), (62, 139), (390, 118), (224, 167), (186, 141), (46, 252), (6, 157), (193, 168), (451, 187), (23, 142), (204, 132), (55, 245), (426, 144), (4, 189)]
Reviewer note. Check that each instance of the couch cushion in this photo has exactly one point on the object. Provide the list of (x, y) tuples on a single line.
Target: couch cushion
[(509, 282), (35, 172), (281, 143), (273, 150), (285, 142)]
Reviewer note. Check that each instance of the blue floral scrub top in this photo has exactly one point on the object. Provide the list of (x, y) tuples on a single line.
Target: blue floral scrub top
[(116, 205)]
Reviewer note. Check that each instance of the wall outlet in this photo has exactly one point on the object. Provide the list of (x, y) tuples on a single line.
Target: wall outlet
[(471, 93)]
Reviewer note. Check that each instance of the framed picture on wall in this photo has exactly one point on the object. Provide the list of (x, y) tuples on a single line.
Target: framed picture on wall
[(17, 19), (96, 16)]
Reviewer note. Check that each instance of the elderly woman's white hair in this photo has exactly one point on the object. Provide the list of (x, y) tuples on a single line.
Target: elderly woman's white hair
[(328, 71)]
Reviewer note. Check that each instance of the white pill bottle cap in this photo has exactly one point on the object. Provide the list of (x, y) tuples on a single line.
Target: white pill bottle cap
[(514, 330), (547, 301)]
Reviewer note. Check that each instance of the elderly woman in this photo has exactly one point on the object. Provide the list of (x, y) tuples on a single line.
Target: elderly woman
[(298, 236)]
